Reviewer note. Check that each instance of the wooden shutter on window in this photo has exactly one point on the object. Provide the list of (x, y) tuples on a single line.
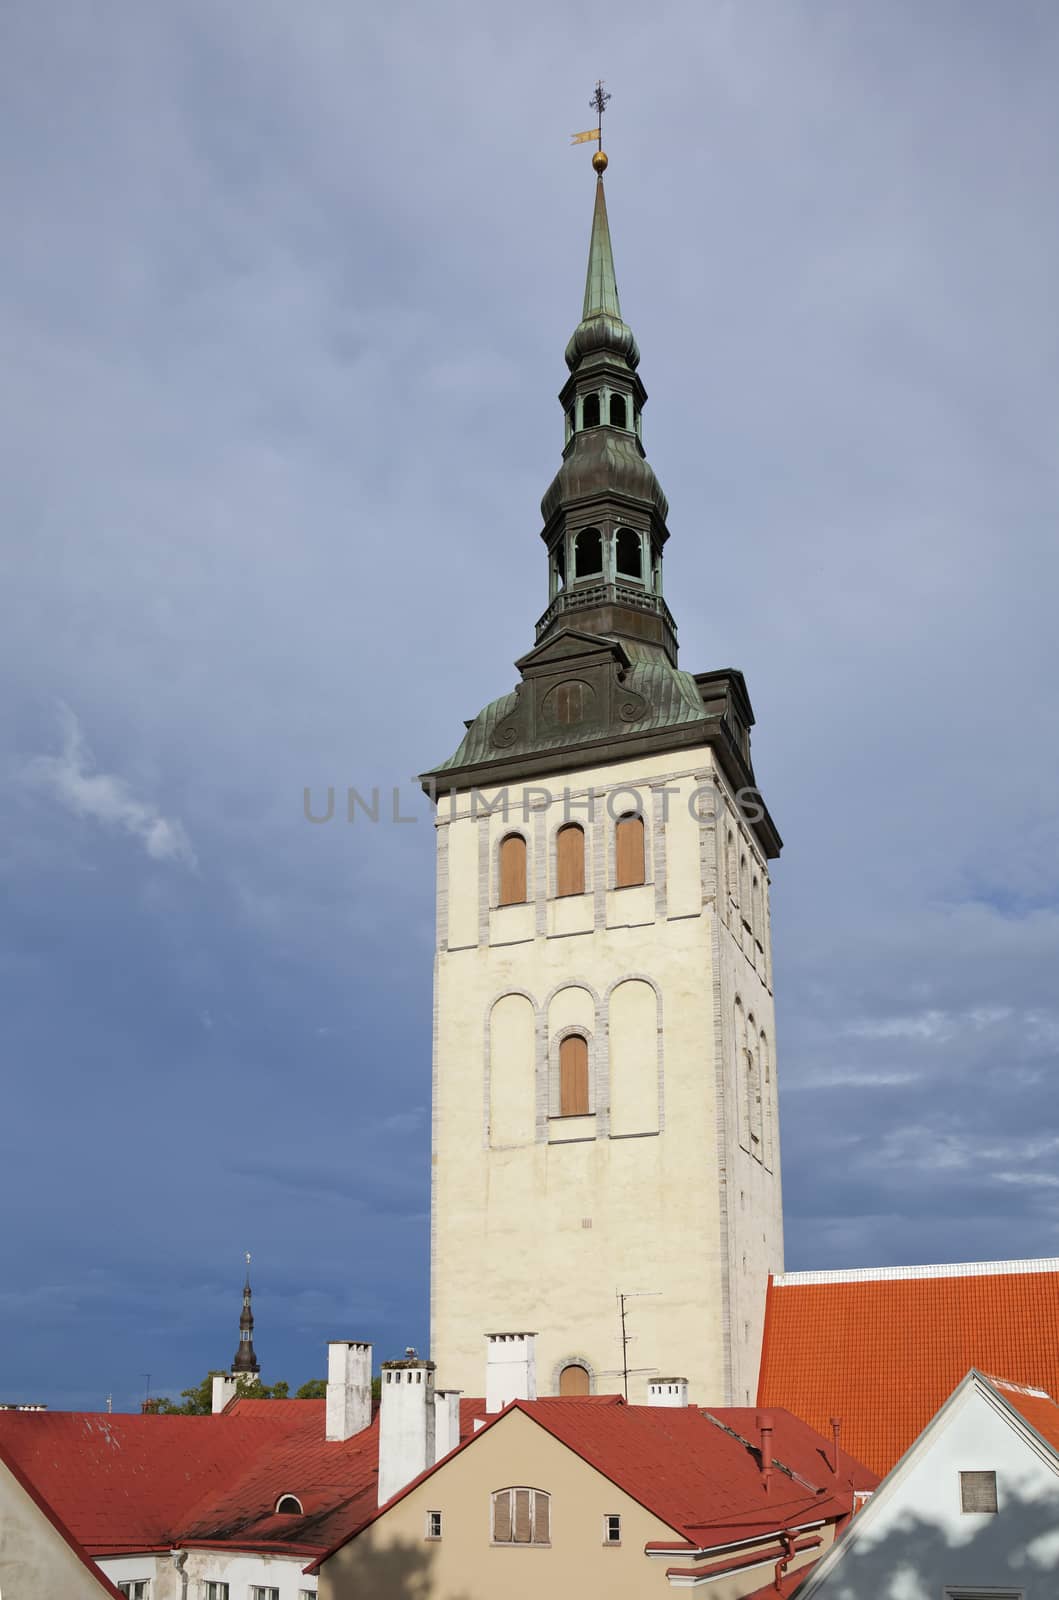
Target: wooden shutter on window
[(541, 1518), (523, 1516), (512, 870), (570, 860), (978, 1491), (573, 1076), (629, 852), (502, 1516)]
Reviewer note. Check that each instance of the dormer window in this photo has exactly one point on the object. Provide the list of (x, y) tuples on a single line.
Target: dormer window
[(629, 554), (588, 553), (288, 1505)]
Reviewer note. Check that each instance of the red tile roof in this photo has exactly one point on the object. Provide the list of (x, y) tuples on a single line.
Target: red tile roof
[(697, 1471), (130, 1483), (127, 1483), (883, 1349), (104, 1584)]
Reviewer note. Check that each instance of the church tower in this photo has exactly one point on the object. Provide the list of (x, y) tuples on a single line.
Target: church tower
[(604, 1094), (245, 1362)]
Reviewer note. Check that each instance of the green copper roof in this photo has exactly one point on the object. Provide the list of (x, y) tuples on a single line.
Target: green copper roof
[(601, 330), (601, 289), (671, 699)]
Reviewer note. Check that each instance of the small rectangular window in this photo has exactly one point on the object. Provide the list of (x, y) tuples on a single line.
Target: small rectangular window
[(136, 1588), (259, 1592), (978, 1491), (433, 1524), (612, 1529), (216, 1591)]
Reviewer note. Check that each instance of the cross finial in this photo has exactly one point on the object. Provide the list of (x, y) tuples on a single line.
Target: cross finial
[(248, 1258), (598, 103)]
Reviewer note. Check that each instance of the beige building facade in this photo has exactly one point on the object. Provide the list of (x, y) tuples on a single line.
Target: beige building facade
[(453, 1535), (667, 1187)]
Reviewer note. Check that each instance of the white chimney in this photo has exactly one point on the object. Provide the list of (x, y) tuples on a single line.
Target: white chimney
[(510, 1369), (348, 1388), (446, 1421), (225, 1388), (667, 1392), (406, 1423)]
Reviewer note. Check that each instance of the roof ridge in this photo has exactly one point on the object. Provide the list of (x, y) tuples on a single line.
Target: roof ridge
[(955, 1269)]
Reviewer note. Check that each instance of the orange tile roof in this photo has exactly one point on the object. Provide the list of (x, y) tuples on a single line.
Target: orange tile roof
[(1038, 1408), (884, 1348)]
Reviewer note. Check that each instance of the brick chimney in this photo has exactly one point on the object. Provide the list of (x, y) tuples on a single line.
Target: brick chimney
[(510, 1369), (406, 1423), (348, 1389)]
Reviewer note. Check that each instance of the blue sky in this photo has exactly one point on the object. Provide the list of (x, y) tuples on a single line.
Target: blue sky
[(283, 308)]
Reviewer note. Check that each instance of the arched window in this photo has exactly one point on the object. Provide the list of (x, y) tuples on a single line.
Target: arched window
[(753, 1089), (560, 563), (629, 852), (570, 422), (588, 553), (590, 411), (512, 870), (573, 1076), (732, 870), (629, 560), (573, 1379), (617, 411), (570, 859), (288, 1505), (744, 889), (521, 1516)]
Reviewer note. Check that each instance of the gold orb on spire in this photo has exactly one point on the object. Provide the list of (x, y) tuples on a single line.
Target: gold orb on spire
[(599, 161)]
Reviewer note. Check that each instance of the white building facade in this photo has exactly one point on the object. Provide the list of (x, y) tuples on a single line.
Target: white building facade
[(970, 1512)]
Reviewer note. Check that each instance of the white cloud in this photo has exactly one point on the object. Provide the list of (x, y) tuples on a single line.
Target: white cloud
[(105, 798), (931, 1025)]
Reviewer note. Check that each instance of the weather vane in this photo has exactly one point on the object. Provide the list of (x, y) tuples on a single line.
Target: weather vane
[(248, 1258), (598, 103)]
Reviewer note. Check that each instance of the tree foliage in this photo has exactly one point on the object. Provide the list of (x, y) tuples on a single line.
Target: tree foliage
[(198, 1400)]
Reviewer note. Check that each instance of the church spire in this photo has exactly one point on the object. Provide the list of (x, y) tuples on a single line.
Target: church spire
[(245, 1360), (601, 288), (604, 512)]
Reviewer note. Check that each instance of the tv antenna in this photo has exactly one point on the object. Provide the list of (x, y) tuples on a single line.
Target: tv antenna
[(624, 1372)]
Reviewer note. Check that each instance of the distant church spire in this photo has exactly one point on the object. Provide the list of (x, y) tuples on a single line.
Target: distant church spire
[(245, 1359)]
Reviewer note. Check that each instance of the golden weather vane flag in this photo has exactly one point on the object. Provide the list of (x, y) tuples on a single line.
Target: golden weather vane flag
[(598, 103)]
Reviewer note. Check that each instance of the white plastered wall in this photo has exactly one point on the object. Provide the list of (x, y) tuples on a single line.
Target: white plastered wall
[(537, 1219), (915, 1541), (239, 1571)]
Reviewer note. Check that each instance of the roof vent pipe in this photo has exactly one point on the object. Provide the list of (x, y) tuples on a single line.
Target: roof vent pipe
[(836, 1430), (765, 1425)]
